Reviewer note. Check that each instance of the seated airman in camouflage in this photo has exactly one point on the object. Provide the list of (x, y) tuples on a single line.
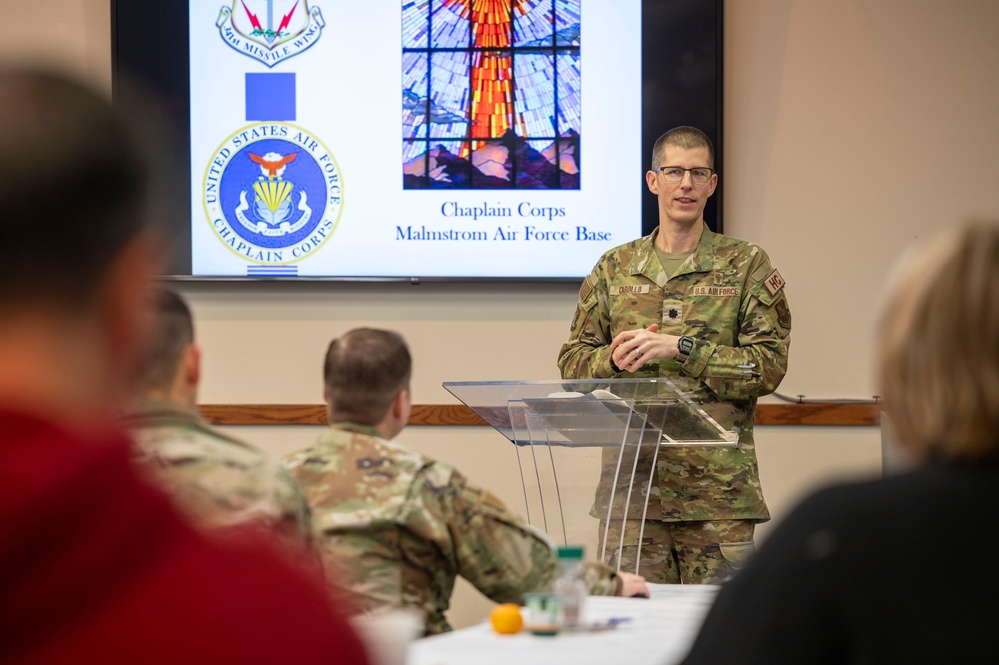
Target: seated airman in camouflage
[(216, 480), (395, 527)]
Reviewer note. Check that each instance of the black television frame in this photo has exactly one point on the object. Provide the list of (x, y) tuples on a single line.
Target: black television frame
[(682, 84)]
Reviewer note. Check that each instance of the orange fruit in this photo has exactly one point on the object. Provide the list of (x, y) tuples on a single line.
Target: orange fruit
[(506, 619)]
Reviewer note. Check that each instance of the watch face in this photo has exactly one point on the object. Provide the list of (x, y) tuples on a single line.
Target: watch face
[(686, 345)]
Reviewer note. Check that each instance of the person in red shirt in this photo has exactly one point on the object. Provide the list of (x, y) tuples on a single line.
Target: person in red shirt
[(97, 565)]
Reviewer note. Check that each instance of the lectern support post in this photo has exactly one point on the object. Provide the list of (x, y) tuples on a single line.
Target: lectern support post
[(639, 415)]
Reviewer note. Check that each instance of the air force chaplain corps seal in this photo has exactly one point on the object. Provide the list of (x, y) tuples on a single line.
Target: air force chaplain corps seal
[(272, 193)]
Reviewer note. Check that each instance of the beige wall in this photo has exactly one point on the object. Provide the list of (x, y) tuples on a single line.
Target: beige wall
[(852, 129), (71, 34)]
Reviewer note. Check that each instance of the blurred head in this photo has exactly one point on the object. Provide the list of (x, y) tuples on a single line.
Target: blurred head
[(75, 190), (74, 183), (939, 347), (366, 372), (169, 366)]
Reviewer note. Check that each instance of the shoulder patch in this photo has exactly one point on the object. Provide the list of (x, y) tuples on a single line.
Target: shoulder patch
[(774, 282), (783, 314)]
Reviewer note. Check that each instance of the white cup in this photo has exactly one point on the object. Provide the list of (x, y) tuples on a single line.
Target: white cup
[(386, 635)]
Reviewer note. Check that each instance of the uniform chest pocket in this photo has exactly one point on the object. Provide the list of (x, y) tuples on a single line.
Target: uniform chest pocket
[(635, 309)]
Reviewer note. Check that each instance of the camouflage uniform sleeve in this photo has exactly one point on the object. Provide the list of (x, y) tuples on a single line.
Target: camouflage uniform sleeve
[(757, 365), (587, 352), (502, 556), (601, 580), (495, 551), (295, 518)]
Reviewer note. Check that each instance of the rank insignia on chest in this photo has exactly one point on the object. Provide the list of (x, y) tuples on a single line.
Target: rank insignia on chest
[(672, 314)]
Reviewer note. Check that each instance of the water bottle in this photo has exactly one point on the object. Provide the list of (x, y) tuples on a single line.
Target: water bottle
[(570, 587)]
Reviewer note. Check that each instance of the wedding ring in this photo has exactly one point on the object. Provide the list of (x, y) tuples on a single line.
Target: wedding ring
[(638, 352)]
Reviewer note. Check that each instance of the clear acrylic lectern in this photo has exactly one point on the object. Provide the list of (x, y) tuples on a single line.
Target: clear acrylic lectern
[(628, 420)]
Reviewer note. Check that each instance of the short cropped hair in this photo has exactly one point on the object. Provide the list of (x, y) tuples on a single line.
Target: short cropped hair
[(939, 348), (364, 371), (689, 138), (74, 183), (172, 331)]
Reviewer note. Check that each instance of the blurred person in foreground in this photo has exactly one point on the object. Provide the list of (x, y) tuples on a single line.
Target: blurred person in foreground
[(98, 565), (217, 480), (395, 527), (895, 570)]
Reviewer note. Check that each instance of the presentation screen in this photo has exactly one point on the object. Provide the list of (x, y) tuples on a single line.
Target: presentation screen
[(434, 139)]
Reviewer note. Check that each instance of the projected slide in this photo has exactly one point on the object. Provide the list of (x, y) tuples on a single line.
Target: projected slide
[(491, 94), (433, 138)]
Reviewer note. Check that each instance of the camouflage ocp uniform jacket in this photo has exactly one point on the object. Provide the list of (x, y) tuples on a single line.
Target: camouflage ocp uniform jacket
[(396, 528), (729, 299), (218, 481)]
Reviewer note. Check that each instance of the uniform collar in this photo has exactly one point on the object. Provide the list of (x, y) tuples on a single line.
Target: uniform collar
[(338, 435), (147, 412), (356, 428), (646, 262)]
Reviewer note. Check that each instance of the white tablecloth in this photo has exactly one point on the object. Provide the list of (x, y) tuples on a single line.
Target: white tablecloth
[(658, 632)]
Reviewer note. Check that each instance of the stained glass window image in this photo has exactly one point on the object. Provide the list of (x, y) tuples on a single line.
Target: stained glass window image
[(491, 94)]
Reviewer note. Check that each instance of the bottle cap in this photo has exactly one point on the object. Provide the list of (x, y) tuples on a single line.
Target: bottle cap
[(570, 552)]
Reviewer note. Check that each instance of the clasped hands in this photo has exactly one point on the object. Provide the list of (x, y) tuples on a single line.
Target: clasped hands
[(633, 348)]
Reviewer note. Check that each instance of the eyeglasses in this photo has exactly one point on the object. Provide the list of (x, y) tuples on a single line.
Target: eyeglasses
[(698, 176)]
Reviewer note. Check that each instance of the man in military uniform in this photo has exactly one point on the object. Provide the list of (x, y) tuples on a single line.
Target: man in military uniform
[(396, 528), (709, 313), (217, 480)]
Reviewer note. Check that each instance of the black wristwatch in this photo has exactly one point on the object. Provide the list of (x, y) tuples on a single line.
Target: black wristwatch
[(686, 345)]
